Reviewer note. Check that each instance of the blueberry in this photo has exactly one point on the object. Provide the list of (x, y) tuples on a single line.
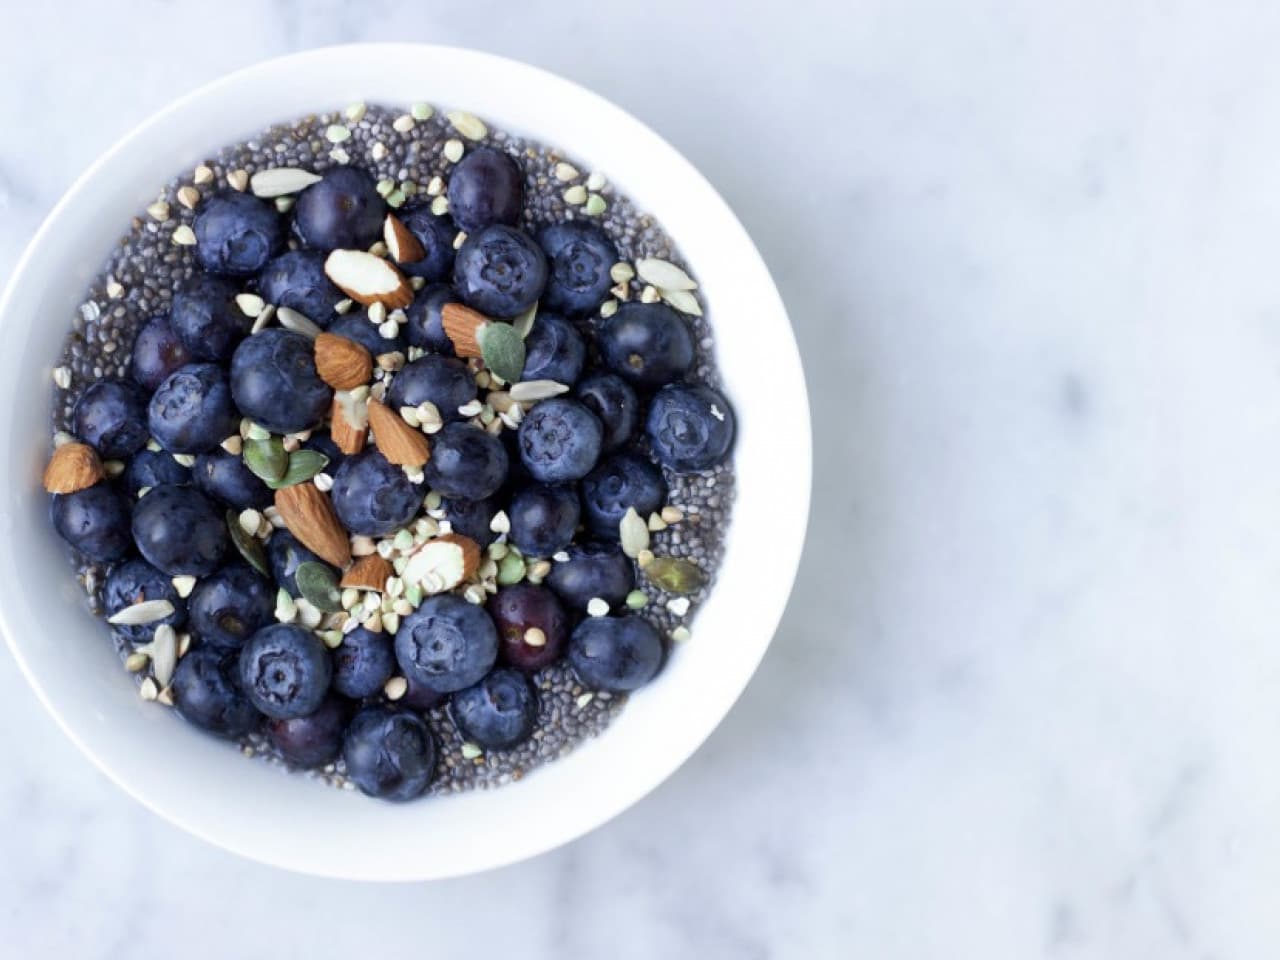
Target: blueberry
[(447, 644), (192, 411), (323, 444), (236, 234), (95, 521), (690, 427), (363, 663), (372, 496), (443, 381), (595, 569), (425, 324), (554, 350), (520, 608), (224, 477), (615, 653), (579, 258), (486, 187), (207, 319), (179, 530), (206, 692), (231, 605), (357, 327), (498, 712), (500, 271), (285, 671), (389, 753), (150, 468), (543, 519), (297, 280), (315, 739), (133, 582), (559, 440), (274, 381), (157, 352), (613, 401), (436, 234), (343, 210), (623, 480), (647, 344), (466, 462), (471, 518), (286, 553), (418, 697), (112, 416)]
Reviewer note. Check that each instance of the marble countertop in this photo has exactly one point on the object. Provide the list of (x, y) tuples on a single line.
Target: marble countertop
[(1025, 700)]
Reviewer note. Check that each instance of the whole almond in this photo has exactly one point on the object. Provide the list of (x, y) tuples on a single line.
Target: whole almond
[(341, 363), (462, 325), (310, 517), (348, 437), (403, 245), (368, 573), (395, 439), (73, 466)]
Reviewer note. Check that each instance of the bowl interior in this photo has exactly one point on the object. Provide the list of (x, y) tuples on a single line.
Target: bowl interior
[(206, 786)]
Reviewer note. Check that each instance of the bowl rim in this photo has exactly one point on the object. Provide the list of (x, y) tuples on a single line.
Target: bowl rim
[(785, 548)]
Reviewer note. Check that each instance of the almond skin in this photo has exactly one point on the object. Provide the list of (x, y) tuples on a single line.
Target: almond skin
[(368, 279), (349, 439), (368, 573), (402, 244), (310, 517), (341, 363), (462, 326), (73, 467), (470, 552), (395, 439)]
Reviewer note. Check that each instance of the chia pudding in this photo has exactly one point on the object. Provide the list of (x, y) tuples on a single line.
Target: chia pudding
[(392, 448)]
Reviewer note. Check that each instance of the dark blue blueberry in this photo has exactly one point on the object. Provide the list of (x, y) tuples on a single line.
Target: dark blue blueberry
[(447, 644), (613, 401), (471, 518), (286, 553), (690, 427), (466, 462), (521, 607), (647, 344), (559, 440), (553, 350), (297, 280), (95, 521), (192, 411), (224, 477), (426, 326), (615, 653), (112, 417), (207, 319), (315, 739), (623, 480), (285, 671), (372, 496), (436, 236), (440, 380), (363, 663), (418, 697), (543, 519), (206, 692), (579, 258), (157, 352), (236, 234), (595, 569), (150, 468), (342, 210), (179, 530), (274, 381), (133, 582), (486, 187), (498, 712), (231, 605), (356, 326), (500, 271), (389, 754), (322, 443)]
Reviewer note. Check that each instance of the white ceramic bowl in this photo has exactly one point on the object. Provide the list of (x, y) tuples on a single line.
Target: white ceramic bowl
[(206, 786)]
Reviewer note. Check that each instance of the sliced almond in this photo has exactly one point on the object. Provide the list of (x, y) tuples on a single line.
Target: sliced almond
[(347, 436), (343, 364), (462, 325), (368, 573), (310, 517), (402, 245), (368, 279), (443, 563), (73, 466), (395, 439)]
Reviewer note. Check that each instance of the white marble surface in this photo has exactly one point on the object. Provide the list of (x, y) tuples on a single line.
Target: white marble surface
[(1026, 699)]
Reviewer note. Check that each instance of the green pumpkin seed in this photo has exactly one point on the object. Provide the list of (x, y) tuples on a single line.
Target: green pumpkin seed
[(250, 547), (266, 459), (303, 465), (503, 350), (510, 569), (674, 575), (318, 585)]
